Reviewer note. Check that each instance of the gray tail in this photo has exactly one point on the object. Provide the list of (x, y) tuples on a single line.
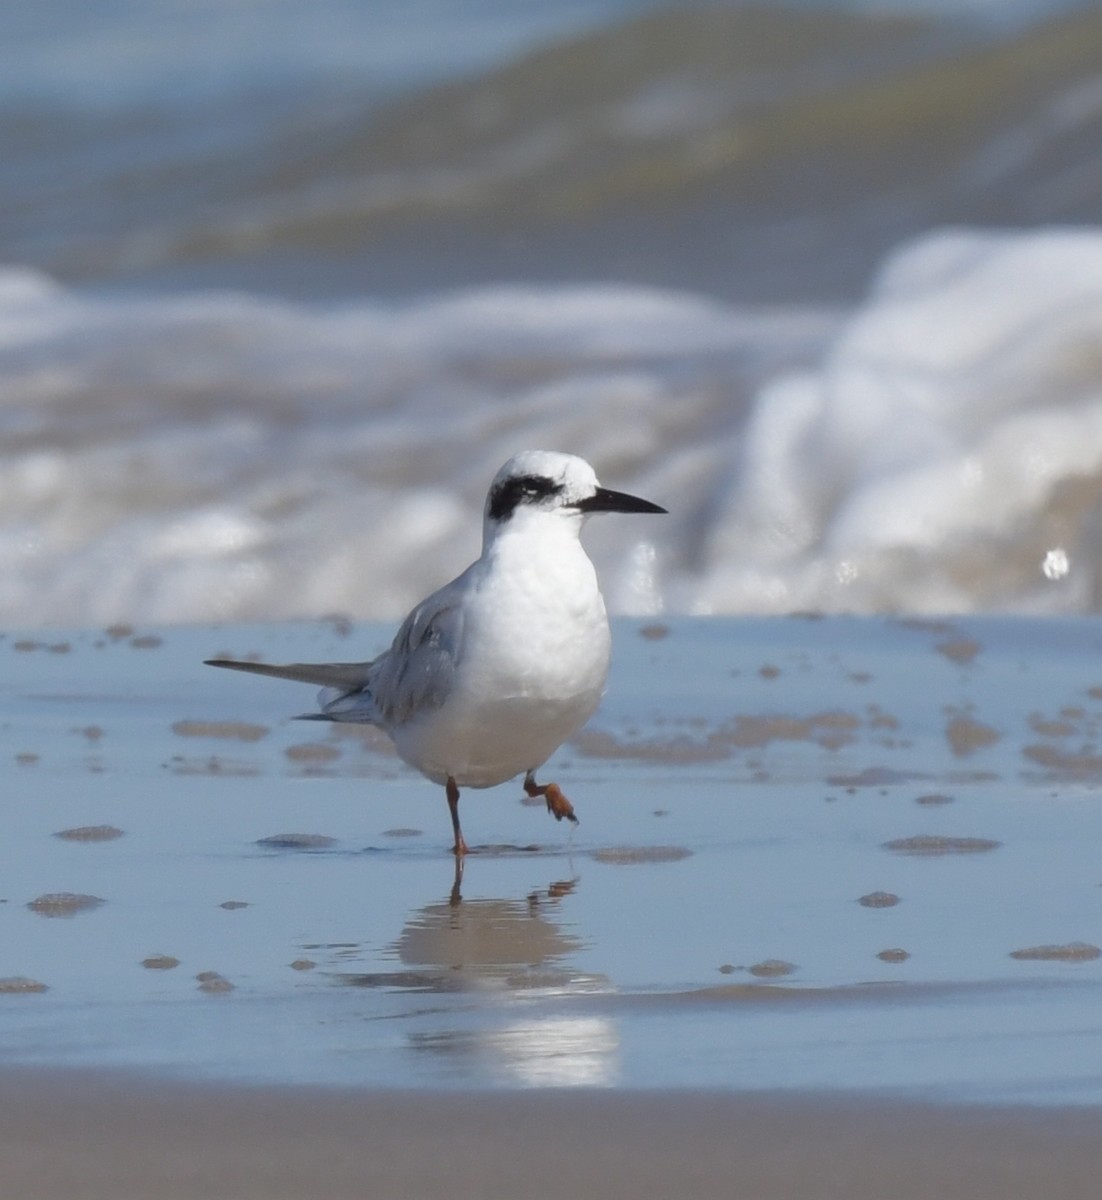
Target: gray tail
[(348, 677)]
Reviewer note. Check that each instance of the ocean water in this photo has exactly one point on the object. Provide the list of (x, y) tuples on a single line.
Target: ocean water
[(842, 855), (281, 287)]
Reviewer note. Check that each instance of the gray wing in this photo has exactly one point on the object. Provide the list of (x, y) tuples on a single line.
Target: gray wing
[(413, 676), (416, 674)]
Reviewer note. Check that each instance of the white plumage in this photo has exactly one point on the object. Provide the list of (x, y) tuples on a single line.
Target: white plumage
[(488, 676)]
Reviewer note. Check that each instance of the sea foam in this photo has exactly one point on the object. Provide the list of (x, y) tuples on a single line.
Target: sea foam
[(945, 454), (215, 456)]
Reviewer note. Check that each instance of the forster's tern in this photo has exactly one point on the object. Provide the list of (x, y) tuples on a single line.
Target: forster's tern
[(491, 674)]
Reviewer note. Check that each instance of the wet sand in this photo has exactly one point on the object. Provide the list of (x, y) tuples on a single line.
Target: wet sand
[(831, 925), (87, 1137)]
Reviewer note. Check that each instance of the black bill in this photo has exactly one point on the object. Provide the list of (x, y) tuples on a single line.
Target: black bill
[(606, 500)]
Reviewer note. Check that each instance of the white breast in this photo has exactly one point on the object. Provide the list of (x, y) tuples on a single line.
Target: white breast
[(531, 669)]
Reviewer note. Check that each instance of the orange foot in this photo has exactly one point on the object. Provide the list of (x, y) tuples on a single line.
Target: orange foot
[(557, 804)]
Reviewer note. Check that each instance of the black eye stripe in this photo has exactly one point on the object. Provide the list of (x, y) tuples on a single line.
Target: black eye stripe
[(522, 489)]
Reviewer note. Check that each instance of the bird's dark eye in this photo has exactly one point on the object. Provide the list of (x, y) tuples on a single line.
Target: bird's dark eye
[(523, 489)]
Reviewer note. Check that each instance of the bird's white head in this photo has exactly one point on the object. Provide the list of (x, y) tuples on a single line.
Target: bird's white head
[(554, 484)]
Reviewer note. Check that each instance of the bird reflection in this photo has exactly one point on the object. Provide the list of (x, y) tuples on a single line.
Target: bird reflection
[(511, 942), (483, 944), (492, 952)]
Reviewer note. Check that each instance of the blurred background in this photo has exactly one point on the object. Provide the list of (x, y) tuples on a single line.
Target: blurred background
[(282, 285)]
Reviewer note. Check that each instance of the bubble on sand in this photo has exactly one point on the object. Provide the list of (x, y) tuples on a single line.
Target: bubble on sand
[(303, 964), (1079, 764), (893, 955), (967, 735), (240, 731), (931, 845), (879, 900), (90, 833), (960, 650), (831, 730), (160, 962), (297, 841), (1051, 728), (20, 985), (1072, 952), (64, 904), (313, 752), (632, 855), (213, 983), (597, 743), (871, 777), (772, 968)]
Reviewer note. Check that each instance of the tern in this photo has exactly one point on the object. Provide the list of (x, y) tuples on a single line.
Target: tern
[(488, 676)]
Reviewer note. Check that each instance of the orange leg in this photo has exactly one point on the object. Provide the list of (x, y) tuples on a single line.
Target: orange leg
[(460, 846), (557, 804)]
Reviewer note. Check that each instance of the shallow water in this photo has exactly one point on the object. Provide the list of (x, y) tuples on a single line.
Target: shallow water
[(813, 853)]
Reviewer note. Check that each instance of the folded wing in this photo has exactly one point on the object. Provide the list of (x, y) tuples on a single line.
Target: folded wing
[(413, 677)]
